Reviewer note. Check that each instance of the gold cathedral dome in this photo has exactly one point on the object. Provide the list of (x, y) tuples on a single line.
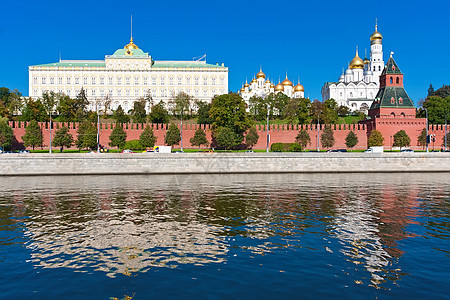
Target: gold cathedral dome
[(376, 36), (254, 80), (246, 84), (357, 63), (299, 88), (279, 87), (286, 82), (260, 74)]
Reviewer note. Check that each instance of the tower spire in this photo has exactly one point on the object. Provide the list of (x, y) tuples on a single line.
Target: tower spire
[(131, 29), (376, 24)]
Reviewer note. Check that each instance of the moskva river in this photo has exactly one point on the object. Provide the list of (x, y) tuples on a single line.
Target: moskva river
[(294, 236)]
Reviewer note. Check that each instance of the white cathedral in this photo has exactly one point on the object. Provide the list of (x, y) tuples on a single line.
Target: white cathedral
[(128, 75), (261, 87), (359, 84)]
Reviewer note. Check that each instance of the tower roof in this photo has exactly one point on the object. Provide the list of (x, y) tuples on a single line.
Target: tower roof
[(392, 96), (391, 67)]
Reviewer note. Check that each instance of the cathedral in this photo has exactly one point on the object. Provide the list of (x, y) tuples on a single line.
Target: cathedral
[(261, 87), (359, 84)]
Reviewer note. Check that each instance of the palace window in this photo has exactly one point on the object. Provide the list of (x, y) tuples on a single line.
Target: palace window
[(188, 80), (196, 80), (163, 93), (35, 92), (213, 81), (379, 68), (110, 80), (136, 80), (102, 80), (205, 81), (43, 81), (77, 80), (125, 107), (60, 80), (205, 93), (196, 93), (154, 80), (119, 92), (93, 92), (213, 92), (102, 92), (119, 80), (52, 80), (180, 81), (68, 92), (222, 80), (400, 100), (127, 80), (170, 80), (374, 68), (85, 80), (127, 92), (93, 80), (145, 80), (163, 80), (110, 92), (136, 92)]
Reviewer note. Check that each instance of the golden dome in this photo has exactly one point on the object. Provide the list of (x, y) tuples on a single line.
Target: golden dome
[(260, 74), (267, 81), (253, 80), (357, 63), (366, 61), (131, 45), (246, 85), (286, 82), (279, 87), (376, 35), (272, 85), (299, 88), (242, 89)]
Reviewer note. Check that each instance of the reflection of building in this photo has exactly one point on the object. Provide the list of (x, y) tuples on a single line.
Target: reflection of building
[(358, 85), (127, 75), (261, 87)]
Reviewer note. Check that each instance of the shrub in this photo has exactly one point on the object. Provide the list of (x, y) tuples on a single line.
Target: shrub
[(285, 147), (133, 145)]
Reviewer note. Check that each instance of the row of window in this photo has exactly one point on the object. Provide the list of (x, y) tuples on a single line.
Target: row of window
[(127, 80)]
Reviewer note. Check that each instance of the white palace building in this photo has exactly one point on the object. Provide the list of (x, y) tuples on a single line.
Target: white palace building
[(359, 84), (128, 75)]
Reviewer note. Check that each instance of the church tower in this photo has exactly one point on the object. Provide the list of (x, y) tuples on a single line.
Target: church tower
[(376, 54)]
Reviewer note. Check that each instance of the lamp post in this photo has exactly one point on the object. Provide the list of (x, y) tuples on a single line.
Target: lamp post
[(267, 130), (426, 115), (50, 150), (181, 131), (318, 126), (445, 134), (98, 128)]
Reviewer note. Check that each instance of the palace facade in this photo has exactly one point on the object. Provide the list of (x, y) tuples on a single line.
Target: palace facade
[(358, 85), (128, 75)]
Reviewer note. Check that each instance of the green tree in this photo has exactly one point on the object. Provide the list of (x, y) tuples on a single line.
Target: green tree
[(182, 104), (375, 139), (159, 114), (430, 90), (437, 108), (80, 106), (422, 138), (279, 103), (33, 135), (87, 136), (291, 111), (401, 139), (351, 140), (33, 110), (329, 111), (443, 91), (66, 108), (203, 113), (229, 110), (199, 138), (303, 139), (343, 111), (303, 113), (147, 137), (252, 137), (6, 135), (258, 108), (173, 135), (327, 137), (63, 138), (225, 137), (139, 114), (118, 137), (120, 116)]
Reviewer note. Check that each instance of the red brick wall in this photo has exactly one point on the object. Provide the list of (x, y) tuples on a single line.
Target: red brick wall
[(278, 133)]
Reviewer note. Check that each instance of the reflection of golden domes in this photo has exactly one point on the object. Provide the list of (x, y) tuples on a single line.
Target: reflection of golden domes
[(253, 80), (376, 36), (357, 63), (246, 85), (260, 74), (299, 88), (286, 82), (279, 87)]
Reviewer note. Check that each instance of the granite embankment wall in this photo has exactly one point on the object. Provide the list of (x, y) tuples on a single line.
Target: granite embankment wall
[(215, 163), (278, 133)]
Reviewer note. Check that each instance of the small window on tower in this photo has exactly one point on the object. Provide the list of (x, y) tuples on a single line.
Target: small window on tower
[(400, 100), (397, 80), (391, 81), (379, 68), (392, 100)]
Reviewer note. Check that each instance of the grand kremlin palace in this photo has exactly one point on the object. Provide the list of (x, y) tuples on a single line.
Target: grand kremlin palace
[(128, 75)]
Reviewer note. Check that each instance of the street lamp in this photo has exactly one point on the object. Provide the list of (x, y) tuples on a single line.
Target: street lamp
[(98, 127), (181, 132), (318, 126), (267, 131), (426, 115), (50, 150)]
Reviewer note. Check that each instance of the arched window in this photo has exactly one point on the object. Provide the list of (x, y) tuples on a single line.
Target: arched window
[(392, 100), (393, 114), (400, 100), (379, 68), (390, 80), (397, 80)]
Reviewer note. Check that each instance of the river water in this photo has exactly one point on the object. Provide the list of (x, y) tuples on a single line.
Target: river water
[(320, 236)]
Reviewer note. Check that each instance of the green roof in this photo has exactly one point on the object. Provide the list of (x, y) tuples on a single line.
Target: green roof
[(136, 53), (392, 96), (183, 64), (157, 64), (79, 64), (391, 67)]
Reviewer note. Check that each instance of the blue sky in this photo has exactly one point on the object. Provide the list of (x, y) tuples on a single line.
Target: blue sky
[(310, 40)]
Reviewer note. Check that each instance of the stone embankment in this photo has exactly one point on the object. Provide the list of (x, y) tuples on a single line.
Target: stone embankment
[(219, 163)]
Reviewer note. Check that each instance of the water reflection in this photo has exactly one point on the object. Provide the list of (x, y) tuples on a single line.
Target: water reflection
[(132, 224)]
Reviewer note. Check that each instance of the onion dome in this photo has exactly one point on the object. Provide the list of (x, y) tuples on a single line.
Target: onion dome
[(279, 87), (341, 78), (299, 88), (357, 63), (366, 61), (348, 72), (376, 37), (246, 84), (260, 74), (286, 82), (272, 86), (253, 80), (242, 89), (267, 81)]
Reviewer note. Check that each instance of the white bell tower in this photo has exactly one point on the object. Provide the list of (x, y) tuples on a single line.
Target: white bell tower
[(376, 54)]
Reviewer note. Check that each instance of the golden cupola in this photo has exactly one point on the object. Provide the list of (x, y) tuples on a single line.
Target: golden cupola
[(242, 89), (376, 37), (299, 88), (246, 84), (272, 86), (279, 87), (254, 80), (287, 82), (260, 74), (267, 81), (357, 62)]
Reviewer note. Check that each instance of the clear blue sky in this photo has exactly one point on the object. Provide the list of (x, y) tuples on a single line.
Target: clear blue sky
[(312, 40)]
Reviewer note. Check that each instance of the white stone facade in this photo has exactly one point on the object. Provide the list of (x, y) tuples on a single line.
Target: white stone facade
[(359, 84), (128, 75)]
